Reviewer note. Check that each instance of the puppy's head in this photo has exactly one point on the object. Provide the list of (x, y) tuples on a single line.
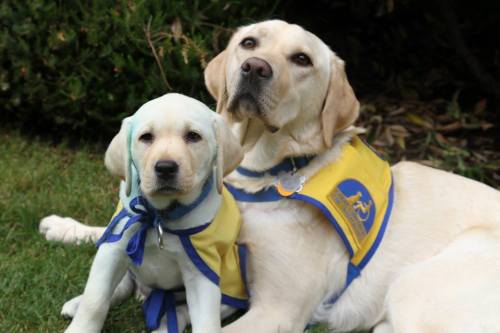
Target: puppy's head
[(170, 146), (281, 74)]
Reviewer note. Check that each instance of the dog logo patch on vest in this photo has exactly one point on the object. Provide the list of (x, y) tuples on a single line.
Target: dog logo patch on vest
[(356, 204)]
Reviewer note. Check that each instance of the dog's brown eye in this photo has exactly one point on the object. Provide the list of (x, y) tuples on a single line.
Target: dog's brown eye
[(249, 43), (301, 59), (192, 136), (146, 138)]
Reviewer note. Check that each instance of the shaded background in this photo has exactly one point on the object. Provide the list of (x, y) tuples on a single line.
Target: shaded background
[(425, 71)]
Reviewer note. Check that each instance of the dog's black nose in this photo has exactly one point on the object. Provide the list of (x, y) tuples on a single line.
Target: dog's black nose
[(256, 68), (166, 169)]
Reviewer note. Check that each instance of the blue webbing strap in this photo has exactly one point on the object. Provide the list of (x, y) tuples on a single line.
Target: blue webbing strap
[(266, 195), (159, 303)]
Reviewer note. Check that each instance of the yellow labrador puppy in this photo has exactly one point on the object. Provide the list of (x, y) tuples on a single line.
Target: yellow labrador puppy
[(177, 224), (434, 269)]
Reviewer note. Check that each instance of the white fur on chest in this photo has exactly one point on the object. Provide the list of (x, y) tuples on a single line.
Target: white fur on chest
[(160, 268)]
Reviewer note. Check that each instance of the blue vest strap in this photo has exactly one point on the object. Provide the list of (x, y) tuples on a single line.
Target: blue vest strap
[(159, 303), (135, 246), (108, 236)]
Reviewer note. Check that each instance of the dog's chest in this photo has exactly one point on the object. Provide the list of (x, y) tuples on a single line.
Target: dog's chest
[(160, 267)]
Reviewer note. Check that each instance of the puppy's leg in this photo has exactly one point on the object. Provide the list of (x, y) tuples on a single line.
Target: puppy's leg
[(122, 292), (108, 268), (68, 230), (203, 299)]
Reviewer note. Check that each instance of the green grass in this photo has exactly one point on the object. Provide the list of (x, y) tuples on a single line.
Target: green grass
[(36, 276)]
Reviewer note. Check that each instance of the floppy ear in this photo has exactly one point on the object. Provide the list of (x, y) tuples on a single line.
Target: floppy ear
[(117, 158), (215, 79), (341, 107), (229, 151)]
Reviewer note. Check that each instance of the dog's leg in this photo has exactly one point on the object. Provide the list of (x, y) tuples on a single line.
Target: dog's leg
[(68, 230), (108, 268), (122, 292), (203, 299)]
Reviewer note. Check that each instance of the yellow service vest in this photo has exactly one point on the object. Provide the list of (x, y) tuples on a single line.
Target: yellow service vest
[(211, 247), (216, 254), (355, 193)]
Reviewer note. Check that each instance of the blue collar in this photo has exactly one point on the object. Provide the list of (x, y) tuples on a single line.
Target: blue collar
[(265, 195), (287, 165), (176, 210)]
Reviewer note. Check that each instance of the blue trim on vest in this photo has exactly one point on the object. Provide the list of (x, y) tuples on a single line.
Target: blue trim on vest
[(267, 195), (198, 261), (210, 274), (243, 254), (288, 164), (234, 302), (381, 232), (354, 271), (328, 215)]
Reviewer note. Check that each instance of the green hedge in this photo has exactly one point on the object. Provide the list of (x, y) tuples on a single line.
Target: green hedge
[(84, 65)]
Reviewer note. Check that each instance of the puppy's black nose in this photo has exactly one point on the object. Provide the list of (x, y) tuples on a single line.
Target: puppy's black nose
[(256, 68), (166, 169)]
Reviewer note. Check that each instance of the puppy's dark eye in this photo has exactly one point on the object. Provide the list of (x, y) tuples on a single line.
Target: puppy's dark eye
[(192, 137), (249, 43), (146, 138), (301, 59)]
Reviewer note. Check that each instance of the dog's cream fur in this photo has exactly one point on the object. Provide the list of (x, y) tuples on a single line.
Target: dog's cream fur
[(166, 120), (437, 268)]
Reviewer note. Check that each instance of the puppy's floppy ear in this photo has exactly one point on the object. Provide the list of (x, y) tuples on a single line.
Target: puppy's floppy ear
[(229, 151), (117, 158), (215, 79), (341, 107)]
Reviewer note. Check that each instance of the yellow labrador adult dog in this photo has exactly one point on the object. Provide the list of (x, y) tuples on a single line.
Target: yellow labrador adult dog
[(436, 267)]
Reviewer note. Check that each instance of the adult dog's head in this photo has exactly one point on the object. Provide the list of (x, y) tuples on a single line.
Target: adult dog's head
[(285, 78), (169, 148)]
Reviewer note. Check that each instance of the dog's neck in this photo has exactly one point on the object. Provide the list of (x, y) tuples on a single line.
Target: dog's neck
[(264, 149), (267, 150)]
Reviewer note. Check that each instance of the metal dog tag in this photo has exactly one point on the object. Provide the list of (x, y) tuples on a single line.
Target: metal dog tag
[(159, 230), (290, 183)]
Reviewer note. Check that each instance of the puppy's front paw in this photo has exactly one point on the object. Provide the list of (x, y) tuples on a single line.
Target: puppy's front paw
[(63, 229), (69, 308)]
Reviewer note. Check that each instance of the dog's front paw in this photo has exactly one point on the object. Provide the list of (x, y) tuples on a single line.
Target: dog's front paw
[(69, 308), (63, 229)]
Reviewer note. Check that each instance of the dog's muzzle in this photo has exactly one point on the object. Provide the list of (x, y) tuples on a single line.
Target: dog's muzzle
[(255, 74), (166, 172), (256, 70)]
